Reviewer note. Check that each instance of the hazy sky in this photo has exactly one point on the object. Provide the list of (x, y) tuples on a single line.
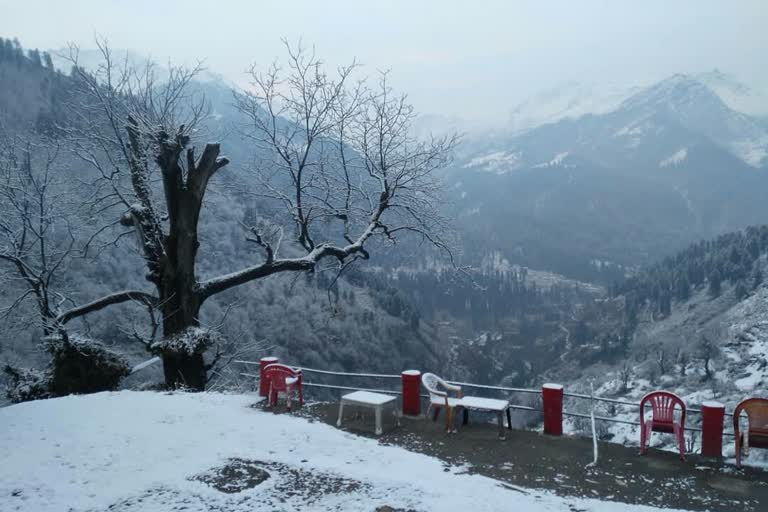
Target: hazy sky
[(471, 59)]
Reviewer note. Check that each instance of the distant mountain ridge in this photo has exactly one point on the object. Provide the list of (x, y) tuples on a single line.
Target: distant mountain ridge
[(573, 99), (672, 164)]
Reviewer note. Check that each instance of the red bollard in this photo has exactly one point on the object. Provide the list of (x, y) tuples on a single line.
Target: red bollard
[(263, 384), (712, 414), (411, 383), (552, 396)]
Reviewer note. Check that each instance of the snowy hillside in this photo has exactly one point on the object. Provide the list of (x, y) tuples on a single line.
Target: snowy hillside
[(198, 452), (739, 366)]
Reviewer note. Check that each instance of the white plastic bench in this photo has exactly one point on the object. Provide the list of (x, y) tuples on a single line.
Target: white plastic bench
[(376, 401)]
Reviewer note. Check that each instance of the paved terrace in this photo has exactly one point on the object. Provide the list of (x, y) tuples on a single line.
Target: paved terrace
[(532, 461)]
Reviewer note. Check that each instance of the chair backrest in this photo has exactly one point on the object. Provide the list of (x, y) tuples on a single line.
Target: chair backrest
[(757, 414), (277, 373), (430, 381), (663, 404), (433, 383)]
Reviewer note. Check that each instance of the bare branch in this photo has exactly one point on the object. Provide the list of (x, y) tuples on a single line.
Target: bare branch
[(108, 300)]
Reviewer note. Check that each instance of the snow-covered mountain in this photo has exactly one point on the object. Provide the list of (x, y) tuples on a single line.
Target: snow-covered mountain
[(670, 164), (681, 109), (712, 104), (569, 100), (695, 106)]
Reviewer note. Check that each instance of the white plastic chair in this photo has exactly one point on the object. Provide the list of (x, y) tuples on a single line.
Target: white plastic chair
[(439, 398)]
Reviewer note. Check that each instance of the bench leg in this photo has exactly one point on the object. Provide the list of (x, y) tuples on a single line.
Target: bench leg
[(465, 420), (288, 393), (341, 413), (509, 419), (500, 420), (379, 430)]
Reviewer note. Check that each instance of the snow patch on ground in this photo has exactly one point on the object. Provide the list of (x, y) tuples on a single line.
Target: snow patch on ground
[(675, 159), (753, 152), (629, 130), (144, 451), (557, 161), (499, 162)]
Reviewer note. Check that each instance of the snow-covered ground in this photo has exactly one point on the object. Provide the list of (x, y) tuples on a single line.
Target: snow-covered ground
[(142, 451)]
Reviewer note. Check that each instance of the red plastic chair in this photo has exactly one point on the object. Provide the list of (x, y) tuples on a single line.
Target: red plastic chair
[(757, 430), (283, 379), (663, 404)]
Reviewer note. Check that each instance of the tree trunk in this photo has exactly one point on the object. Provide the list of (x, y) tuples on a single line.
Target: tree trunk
[(180, 299), (184, 370), (171, 258), (180, 312)]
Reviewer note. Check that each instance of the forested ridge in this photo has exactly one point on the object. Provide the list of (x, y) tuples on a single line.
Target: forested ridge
[(732, 258)]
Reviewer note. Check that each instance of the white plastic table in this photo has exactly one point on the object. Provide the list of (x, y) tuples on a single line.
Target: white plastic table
[(476, 403), (376, 401)]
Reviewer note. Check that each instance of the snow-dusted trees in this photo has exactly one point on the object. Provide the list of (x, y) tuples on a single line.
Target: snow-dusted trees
[(42, 228), (333, 151), (36, 238)]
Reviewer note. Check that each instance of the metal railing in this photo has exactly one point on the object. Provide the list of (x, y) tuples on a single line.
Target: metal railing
[(478, 386)]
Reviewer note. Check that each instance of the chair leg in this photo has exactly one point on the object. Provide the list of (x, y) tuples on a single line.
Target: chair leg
[(643, 435), (429, 411), (341, 413), (436, 413), (448, 419), (738, 450), (680, 434)]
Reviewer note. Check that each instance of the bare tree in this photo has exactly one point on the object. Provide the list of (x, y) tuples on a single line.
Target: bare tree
[(625, 375), (337, 152), (338, 163), (706, 351)]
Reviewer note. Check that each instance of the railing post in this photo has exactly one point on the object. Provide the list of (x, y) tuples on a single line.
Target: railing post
[(263, 384), (411, 384), (712, 414), (552, 396)]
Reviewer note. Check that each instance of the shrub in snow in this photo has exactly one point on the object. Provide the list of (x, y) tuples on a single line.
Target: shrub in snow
[(78, 365), (25, 384), (82, 365)]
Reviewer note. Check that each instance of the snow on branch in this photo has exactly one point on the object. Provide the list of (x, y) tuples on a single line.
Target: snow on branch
[(340, 164), (108, 300), (192, 340)]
